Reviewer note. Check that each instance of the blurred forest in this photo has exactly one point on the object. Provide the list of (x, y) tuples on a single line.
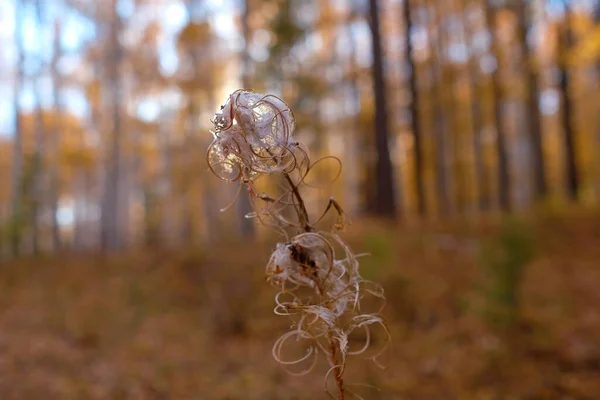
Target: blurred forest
[(437, 109), (469, 133)]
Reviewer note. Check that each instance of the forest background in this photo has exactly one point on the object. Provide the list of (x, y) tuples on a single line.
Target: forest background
[(469, 134)]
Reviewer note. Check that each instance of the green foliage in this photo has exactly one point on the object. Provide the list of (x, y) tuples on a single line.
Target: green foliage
[(379, 248), (504, 261), (19, 221), (153, 216), (285, 29), (15, 228)]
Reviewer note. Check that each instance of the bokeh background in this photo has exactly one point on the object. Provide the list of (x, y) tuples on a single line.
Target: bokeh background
[(469, 132)]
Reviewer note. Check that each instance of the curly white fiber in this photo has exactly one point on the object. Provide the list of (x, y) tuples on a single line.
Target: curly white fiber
[(252, 135), (320, 288)]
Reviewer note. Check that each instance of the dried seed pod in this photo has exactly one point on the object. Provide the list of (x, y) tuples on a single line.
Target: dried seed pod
[(252, 135), (334, 311), (316, 272)]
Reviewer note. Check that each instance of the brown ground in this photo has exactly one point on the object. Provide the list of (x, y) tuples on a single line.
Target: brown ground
[(199, 325)]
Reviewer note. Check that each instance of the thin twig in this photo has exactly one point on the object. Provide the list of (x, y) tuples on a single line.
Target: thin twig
[(339, 380), (302, 213), (338, 367)]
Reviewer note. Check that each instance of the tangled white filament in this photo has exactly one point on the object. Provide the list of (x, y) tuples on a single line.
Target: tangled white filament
[(322, 291)]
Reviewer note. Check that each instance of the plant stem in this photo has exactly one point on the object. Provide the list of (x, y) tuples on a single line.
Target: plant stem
[(300, 208), (339, 368), (304, 221), (339, 380)]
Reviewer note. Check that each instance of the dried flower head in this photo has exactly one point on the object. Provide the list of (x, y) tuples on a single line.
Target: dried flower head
[(316, 272), (252, 135), (333, 311)]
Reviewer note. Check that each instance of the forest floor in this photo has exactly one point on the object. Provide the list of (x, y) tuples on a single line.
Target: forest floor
[(199, 324)]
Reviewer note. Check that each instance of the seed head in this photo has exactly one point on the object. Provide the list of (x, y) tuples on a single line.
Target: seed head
[(252, 135)]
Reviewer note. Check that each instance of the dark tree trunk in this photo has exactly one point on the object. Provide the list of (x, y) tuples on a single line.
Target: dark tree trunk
[(502, 157), (385, 204), (571, 168), (481, 172), (110, 235), (533, 126), (414, 111), (441, 125), (453, 171), (597, 124)]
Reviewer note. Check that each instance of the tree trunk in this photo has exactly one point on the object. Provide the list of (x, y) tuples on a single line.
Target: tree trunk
[(385, 204), (571, 167), (453, 174), (501, 154), (353, 157), (440, 125), (596, 183), (168, 219), (99, 125), (78, 190), (481, 173), (245, 225), (188, 228), (414, 111), (54, 178), (38, 180), (533, 126), (16, 193), (110, 235), (210, 195), (187, 224)]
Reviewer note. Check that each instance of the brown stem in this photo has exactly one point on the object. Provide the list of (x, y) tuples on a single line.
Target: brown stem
[(339, 369), (301, 208), (339, 380), (304, 221)]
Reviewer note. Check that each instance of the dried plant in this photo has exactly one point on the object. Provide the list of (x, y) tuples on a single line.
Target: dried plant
[(317, 274)]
